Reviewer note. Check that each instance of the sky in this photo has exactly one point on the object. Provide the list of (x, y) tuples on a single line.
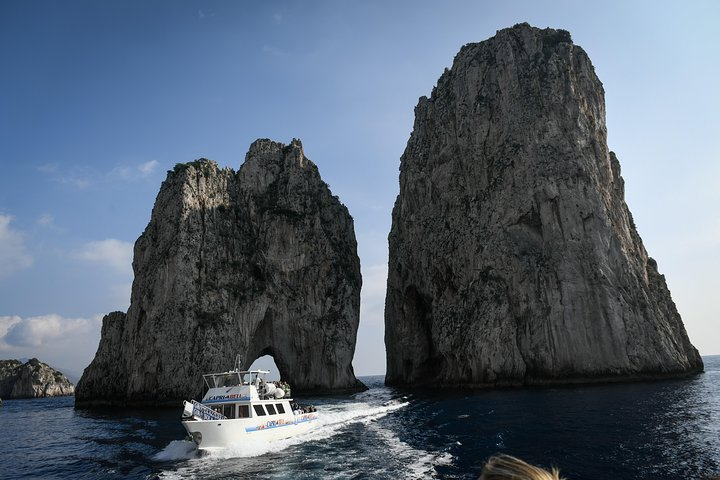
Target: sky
[(99, 99)]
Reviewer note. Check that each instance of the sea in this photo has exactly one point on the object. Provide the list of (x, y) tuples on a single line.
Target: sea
[(649, 430)]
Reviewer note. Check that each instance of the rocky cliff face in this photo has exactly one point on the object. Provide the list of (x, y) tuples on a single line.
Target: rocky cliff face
[(262, 261), (31, 380), (513, 256)]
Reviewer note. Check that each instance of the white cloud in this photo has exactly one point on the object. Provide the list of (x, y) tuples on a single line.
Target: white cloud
[(110, 252), (5, 324), (77, 177), (45, 220), (67, 342), (147, 168), (39, 331), (134, 172), (13, 253), (123, 173), (81, 177), (78, 181)]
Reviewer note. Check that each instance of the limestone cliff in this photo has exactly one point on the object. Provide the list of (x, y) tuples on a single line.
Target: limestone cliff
[(513, 256), (254, 262), (32, 379)]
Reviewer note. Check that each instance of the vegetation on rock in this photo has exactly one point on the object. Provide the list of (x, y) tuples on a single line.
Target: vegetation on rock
[(32, 379)]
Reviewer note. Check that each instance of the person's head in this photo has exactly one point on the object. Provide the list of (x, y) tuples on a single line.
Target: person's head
[(505, 467)]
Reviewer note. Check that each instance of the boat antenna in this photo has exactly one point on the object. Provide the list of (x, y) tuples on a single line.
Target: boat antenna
[(238, 362)]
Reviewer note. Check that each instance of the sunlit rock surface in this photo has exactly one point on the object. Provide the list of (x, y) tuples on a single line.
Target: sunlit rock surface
[(254, 262), (32, 379)]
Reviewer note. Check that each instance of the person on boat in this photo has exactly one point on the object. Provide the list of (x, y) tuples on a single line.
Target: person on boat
[(506, 467)]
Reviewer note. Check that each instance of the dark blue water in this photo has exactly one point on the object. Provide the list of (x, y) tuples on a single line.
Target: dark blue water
[(654, 430)]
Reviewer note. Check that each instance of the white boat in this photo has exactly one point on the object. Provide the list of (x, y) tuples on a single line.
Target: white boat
[(241, 406)]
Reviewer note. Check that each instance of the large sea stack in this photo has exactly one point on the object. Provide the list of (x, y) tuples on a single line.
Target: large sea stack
[(255, 262), (514, 259)]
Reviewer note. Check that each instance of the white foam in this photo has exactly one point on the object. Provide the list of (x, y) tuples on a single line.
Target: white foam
[(419, 463), (176, 450), (171, 476)]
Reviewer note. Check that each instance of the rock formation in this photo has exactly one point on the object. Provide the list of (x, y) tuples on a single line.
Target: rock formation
[(262, 261), (32, 379), (513, 256)]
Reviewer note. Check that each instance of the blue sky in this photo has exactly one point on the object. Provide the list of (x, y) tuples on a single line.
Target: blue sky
[(99, 99)]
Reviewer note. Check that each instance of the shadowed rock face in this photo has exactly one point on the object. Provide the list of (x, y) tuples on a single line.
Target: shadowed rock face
[(262, 261), (513, 256)]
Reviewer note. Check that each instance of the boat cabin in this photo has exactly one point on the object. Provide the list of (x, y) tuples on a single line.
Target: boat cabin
[(241, 394)]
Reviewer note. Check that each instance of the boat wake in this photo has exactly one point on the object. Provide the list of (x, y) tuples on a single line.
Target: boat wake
[(334, 419), (403, 457), (313, 450)]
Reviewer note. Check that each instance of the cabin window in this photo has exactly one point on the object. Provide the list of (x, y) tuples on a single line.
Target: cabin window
[(270, 409), (243, 411), (259, 410), (280, 408), (229, 411)]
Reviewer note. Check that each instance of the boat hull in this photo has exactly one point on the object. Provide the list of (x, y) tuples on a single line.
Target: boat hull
[(215, 434)]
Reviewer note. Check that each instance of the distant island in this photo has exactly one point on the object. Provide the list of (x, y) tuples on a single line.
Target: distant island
[(32, 379)]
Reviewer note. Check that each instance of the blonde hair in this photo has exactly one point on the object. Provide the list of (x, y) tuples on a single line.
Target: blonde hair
[(506, 467)]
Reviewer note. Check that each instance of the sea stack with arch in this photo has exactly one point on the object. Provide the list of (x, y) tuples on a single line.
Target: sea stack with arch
[(254, 262), (514, 259)]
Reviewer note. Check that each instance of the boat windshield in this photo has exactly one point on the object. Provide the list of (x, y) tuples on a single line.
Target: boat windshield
[(230, 379), (233, 379)]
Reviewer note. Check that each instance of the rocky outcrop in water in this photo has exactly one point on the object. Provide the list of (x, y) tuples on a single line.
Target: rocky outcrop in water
[(32, 379), (254, 262), (513, 256)]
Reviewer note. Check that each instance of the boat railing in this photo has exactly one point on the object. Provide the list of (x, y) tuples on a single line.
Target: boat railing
[(205, 412)]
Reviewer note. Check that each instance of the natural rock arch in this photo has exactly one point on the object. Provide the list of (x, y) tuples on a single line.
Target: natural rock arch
[(259, 260), (266, 361)]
